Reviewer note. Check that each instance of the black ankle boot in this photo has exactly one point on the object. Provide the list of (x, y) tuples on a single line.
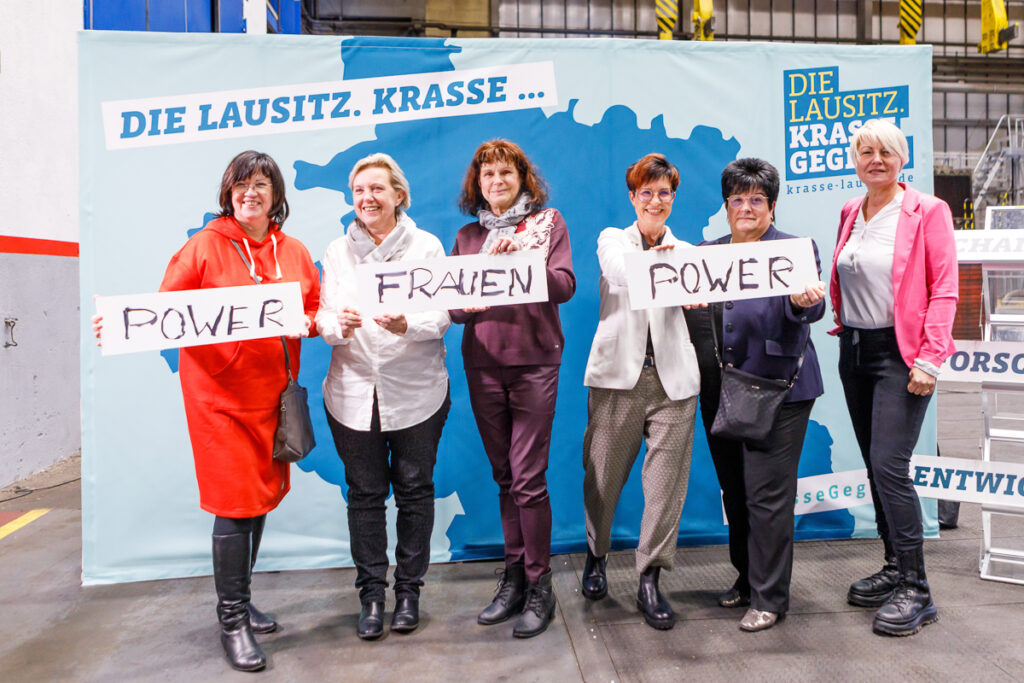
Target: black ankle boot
[(910, 608), (371, 620), (261, 623), (508, 599), (539, 609), (656, 610), (231, 576), (407, 615), (595, 580), (875, 590)]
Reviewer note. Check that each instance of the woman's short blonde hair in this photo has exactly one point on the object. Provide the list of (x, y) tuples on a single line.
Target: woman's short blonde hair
[(381, 160), (883, 133)]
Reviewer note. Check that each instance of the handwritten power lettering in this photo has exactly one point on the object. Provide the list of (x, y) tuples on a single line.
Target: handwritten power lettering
[(174, 323), (693, 277), (452, 282), (719, 272), (163, 320)]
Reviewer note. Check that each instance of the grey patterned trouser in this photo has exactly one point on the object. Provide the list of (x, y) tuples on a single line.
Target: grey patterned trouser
[(618, 421)]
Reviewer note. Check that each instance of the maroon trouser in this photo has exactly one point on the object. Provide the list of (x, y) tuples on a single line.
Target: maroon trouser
[(514, 407)]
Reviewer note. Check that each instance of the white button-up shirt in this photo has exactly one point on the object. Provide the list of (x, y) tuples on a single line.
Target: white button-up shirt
[(865, 269), (407, 371)]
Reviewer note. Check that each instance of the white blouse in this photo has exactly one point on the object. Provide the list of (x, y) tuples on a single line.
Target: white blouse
[(865, 269), (407, 371)]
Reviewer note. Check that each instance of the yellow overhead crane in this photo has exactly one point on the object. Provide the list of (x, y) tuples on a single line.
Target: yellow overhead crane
[(996, 31), (667, 12), (703, 20)]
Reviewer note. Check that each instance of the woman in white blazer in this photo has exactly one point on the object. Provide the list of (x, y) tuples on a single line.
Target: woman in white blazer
[(643, 379)]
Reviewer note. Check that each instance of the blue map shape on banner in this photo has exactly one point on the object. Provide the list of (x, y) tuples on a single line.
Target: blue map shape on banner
[(585, 165)]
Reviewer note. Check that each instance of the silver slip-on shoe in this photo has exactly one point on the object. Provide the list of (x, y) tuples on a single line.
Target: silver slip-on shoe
[(757, 620)]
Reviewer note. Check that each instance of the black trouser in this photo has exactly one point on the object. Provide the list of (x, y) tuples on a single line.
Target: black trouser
[(758, 489), (728, 459), (370, 473), (887, 421)]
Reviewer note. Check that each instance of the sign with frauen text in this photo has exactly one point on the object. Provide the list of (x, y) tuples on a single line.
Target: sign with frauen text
[(719, 272), (450, 282), (166, 320)]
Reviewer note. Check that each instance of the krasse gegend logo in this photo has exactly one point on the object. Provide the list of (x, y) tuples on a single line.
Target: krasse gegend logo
[(821, 118)]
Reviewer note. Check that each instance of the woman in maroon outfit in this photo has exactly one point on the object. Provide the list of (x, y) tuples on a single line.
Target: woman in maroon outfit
[(512, 355)]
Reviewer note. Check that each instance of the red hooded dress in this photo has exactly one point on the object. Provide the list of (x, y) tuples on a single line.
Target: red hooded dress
[(231, 389)]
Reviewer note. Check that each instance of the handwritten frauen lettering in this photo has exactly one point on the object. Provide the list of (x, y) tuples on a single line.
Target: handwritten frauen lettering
[(452, 282)]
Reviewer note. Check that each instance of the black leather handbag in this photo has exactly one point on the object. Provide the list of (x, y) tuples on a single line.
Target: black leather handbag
[(293, 439), (748, 404)]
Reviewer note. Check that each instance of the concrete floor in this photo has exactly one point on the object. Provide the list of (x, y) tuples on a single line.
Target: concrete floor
[(54, 630)]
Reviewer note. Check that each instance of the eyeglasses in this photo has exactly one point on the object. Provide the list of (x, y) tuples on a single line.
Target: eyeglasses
[(258, 186), (646, 195), (756, 201)]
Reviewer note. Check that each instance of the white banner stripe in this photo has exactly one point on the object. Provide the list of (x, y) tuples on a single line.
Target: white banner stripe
[(194, 117)]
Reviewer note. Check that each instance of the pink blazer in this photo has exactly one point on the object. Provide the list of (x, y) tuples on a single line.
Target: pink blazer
[(925, 276)]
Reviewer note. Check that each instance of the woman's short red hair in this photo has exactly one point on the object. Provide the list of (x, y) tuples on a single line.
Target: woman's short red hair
[(650, 168)]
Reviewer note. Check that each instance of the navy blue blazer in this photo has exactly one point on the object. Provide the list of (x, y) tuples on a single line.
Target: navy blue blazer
[(765, 336)]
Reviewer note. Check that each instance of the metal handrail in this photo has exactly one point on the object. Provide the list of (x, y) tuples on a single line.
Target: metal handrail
[(992, 140)]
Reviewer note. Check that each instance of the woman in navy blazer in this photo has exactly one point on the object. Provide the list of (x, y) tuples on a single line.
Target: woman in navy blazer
[(764, 337)]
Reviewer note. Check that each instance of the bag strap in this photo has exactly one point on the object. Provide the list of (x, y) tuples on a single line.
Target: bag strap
[(718, 355), (284, 345)]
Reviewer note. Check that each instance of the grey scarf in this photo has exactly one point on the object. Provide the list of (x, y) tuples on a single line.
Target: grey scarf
[(391, 248), (505, 224)]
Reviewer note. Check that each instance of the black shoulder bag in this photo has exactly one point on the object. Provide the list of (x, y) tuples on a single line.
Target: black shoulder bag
[(294, 438), (748, 404)]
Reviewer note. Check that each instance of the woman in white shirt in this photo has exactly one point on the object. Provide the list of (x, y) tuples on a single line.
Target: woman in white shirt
[(643, 379), (386, 395), (894, 292)]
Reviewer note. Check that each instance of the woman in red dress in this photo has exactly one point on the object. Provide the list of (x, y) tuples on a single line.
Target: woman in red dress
[(231, 390)]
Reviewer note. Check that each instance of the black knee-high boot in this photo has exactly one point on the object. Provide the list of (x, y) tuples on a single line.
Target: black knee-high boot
[(232, 567), (261, 623)]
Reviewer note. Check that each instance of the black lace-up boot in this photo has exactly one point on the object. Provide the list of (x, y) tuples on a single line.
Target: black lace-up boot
[(508, 599), (539, 609), (910, 608)]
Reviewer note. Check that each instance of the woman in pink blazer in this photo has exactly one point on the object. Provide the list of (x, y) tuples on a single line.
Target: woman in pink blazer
[(894, 291)]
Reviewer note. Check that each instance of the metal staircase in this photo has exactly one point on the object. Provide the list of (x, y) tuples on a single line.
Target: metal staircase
[(998, 179)]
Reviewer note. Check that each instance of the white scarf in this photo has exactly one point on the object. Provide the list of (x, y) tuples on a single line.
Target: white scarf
[(391, 248)]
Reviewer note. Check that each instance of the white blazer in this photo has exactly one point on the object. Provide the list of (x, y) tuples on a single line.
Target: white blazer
[(617, 354)]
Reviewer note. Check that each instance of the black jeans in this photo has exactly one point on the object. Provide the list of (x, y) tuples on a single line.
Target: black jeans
[(887, 421), (370, 473)]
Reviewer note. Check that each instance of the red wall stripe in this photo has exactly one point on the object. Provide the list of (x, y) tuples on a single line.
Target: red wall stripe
[(30, 245)]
